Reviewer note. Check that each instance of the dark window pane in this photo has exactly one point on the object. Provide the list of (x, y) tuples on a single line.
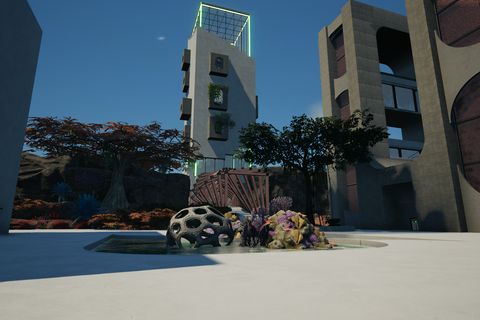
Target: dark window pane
[(472, 173), (442, 4), (388, 96), (410, 154), (468, 136), (341, 67), (467, 103), (343, 99), (405, 99), (394, 153), (459, 20), (345, 112)]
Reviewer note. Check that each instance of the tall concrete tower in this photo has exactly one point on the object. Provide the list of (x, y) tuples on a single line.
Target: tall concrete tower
[(219, 85), (20, 36)]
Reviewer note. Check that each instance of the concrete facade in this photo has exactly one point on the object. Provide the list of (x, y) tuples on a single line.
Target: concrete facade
[(213, 58), (415, 175), (241, 92), (20, 37)]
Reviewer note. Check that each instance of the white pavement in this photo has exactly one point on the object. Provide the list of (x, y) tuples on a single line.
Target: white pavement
[(48, 275)]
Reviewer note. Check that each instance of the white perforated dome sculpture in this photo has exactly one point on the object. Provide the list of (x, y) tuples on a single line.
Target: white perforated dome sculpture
[(200, 226)]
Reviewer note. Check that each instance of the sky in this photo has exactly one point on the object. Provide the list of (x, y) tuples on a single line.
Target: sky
[(119, 60)]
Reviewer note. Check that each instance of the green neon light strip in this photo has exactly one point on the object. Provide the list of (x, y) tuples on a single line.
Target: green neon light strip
[(249, 38), (223, 9), (201, 13)]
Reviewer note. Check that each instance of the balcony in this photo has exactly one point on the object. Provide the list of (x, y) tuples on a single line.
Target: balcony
[(186, 109), (208, 164), (186, 131), (404, 149), (216, 131), (186, 81), (186, 60)]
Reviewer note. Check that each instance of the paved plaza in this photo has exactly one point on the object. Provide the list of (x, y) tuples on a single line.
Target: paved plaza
[(49, 275)]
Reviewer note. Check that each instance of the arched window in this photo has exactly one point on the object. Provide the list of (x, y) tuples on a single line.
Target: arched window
[(466, 118), (458, 21)]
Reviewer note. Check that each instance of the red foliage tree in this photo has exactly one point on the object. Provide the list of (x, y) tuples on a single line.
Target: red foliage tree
[(118, 144)]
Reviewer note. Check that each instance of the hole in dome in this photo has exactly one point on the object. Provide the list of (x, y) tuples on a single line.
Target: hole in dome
[(208, 232), (200, 211), (187, 240), (175, 227), (215, 220), (193, 223), (181, 214)]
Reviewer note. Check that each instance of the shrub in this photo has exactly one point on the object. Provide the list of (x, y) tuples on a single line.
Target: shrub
[(61, 190), (280, 203), (59, 224), (86, 206), (22, 224)]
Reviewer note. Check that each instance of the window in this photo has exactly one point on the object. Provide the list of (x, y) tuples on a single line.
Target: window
[(388, 97), (405, 98), (337, 41), (409, 154), (395, 133), (394, 153), (400, 97), (397, 153), (343, 102), (458, 22)]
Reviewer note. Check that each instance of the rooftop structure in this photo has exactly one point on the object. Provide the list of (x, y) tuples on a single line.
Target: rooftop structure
[(231, 25)]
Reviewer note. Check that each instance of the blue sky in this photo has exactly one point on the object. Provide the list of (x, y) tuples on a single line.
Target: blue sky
[(119, 60)]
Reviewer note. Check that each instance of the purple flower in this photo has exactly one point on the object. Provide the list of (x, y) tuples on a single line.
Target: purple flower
[(313, 238)]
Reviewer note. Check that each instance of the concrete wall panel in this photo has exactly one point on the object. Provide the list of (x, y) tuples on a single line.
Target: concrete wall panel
[(20, 37)]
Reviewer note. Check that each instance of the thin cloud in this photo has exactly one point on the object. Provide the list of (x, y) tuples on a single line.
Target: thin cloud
[(161, 38)]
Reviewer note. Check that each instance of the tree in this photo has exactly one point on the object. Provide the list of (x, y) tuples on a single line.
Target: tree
[(259, 144), (308, 145), (119, 145)]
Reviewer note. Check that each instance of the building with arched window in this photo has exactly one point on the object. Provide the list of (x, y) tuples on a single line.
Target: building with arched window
[(419, 76)]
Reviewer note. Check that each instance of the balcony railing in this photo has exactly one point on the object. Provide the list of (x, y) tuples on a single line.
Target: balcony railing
[(186, 109), (208, 164), (404, 149)]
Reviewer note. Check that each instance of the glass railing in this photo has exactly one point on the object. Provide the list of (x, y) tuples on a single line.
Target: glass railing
[(208, 164)]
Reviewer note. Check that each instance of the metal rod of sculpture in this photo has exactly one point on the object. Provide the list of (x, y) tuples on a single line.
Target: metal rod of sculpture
[(248, 188)]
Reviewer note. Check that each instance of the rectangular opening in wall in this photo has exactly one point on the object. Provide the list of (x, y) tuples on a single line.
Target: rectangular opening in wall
[(395, 133), (218, 97), (338, 44)]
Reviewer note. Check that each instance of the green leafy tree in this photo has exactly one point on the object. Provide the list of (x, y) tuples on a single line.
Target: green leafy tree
[(119, 145), (308, 145), (259, 144)]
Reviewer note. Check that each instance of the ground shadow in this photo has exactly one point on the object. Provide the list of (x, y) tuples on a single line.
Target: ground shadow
[(38, 255)]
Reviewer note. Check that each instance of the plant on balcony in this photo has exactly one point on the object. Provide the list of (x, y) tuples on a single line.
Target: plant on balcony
[(222, 120), (215, 93)]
